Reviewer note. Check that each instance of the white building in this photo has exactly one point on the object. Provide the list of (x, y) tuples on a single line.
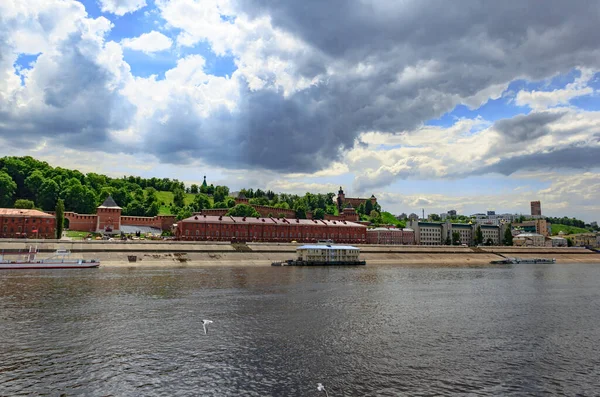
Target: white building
[(529, 240), (328, 253), (556, 241)]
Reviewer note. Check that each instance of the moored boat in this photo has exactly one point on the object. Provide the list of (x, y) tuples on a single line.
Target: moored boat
[(324, 255), (509, 261), (29, 260)]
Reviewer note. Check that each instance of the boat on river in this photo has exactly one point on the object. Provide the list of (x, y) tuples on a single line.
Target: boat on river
[(324, 255), (510, 261), (61, 259)]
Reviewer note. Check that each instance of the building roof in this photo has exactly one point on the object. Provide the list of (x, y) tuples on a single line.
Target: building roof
[(267, 221), (327, 247), (463, 225), (109, 203), (23, 213), (131, 229), (528, 235)]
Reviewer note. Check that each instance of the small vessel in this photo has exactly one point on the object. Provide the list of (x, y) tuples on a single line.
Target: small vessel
[(324, 255), (29, 260), (509, 261)]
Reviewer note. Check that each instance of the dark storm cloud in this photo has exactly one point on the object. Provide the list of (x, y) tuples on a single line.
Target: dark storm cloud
[(77, 107), (421, 59), (573, 157), (528, 127)]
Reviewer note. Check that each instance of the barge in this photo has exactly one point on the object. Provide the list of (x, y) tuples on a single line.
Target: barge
[(28, 260), (510, 261), (325, 255)]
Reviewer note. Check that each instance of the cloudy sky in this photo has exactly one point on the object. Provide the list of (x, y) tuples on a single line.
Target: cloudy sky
[(467, 105)]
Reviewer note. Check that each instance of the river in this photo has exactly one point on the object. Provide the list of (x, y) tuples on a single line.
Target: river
[(368, 331)]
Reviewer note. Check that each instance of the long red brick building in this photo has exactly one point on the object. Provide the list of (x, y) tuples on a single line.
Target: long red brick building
[(226, 228), (21, 223)]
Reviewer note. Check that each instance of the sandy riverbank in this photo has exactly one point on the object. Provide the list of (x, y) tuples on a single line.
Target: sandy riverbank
[(190, 254)]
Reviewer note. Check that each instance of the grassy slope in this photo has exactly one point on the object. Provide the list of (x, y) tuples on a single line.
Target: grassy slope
[(567, 229), (167, 198), (388, 218)]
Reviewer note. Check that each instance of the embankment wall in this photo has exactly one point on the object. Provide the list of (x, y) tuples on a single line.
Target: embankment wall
[(169, 253)]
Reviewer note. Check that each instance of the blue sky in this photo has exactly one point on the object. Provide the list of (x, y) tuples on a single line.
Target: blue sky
[(257, 94)]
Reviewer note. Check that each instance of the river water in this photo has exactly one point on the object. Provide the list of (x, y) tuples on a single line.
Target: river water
[(369, 331)]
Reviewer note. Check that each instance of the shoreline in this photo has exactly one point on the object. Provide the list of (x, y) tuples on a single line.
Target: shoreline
[(210, 254)]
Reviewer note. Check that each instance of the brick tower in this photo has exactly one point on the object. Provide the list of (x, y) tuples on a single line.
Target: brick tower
[(109, 217)]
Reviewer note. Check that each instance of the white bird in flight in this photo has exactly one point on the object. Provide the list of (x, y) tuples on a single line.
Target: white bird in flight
[(204, 324), (320, 387)]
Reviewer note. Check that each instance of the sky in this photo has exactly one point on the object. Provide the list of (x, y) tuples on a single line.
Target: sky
[(469, 105)]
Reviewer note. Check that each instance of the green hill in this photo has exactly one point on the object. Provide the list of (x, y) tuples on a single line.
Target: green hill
[(556, 228), (390, 219), (167, 198)]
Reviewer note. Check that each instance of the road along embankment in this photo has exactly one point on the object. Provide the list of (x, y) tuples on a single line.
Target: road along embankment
[(175, 253)]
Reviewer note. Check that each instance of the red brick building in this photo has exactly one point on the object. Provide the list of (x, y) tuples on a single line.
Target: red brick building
[(342, 200), (19, 223), (227, 228), (391, 236)]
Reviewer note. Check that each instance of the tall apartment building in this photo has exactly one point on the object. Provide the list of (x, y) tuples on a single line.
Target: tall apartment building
[(536, 208)]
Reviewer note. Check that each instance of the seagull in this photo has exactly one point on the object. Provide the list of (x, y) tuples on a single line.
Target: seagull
[(320, 387), (204, 324)]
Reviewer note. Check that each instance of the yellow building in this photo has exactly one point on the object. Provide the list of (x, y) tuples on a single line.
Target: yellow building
[(584, 239)]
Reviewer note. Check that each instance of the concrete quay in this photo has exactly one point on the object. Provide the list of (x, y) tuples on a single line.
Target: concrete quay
[(180, 253)]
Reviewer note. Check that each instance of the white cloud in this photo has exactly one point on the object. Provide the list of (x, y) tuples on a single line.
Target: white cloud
[(538, 100), (148, 42), (121, 7)]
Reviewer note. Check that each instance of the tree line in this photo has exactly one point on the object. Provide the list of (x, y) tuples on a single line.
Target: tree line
[(26, 182), (29, 183)]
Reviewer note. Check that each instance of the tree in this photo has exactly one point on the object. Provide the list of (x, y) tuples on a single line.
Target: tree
[(319, 214), (435, 217), (48, 194), (301, 212), (183, 213), (60, 217), (8, 187), (283, 205), (220, 193), (448, 241), (569, 242), (135, 208), (376, 217), (178, 197), (152, 209), (243, 210), (489, 242), (478, 236), (201, 201), (508, 237), (24, 204), (194, 189), (455, 238), (368, 206), (229, 202), (220, 204), (34, 182), (361, 209)]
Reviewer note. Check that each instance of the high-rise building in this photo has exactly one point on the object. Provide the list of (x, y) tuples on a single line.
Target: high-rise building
[(536, 208)]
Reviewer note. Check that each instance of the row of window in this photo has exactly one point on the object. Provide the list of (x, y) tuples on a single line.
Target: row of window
[(42, 229), (227, 233), (12, 220)]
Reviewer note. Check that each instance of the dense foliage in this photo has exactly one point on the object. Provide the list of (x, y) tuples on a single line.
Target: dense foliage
[(29, 183), (25, 178)]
